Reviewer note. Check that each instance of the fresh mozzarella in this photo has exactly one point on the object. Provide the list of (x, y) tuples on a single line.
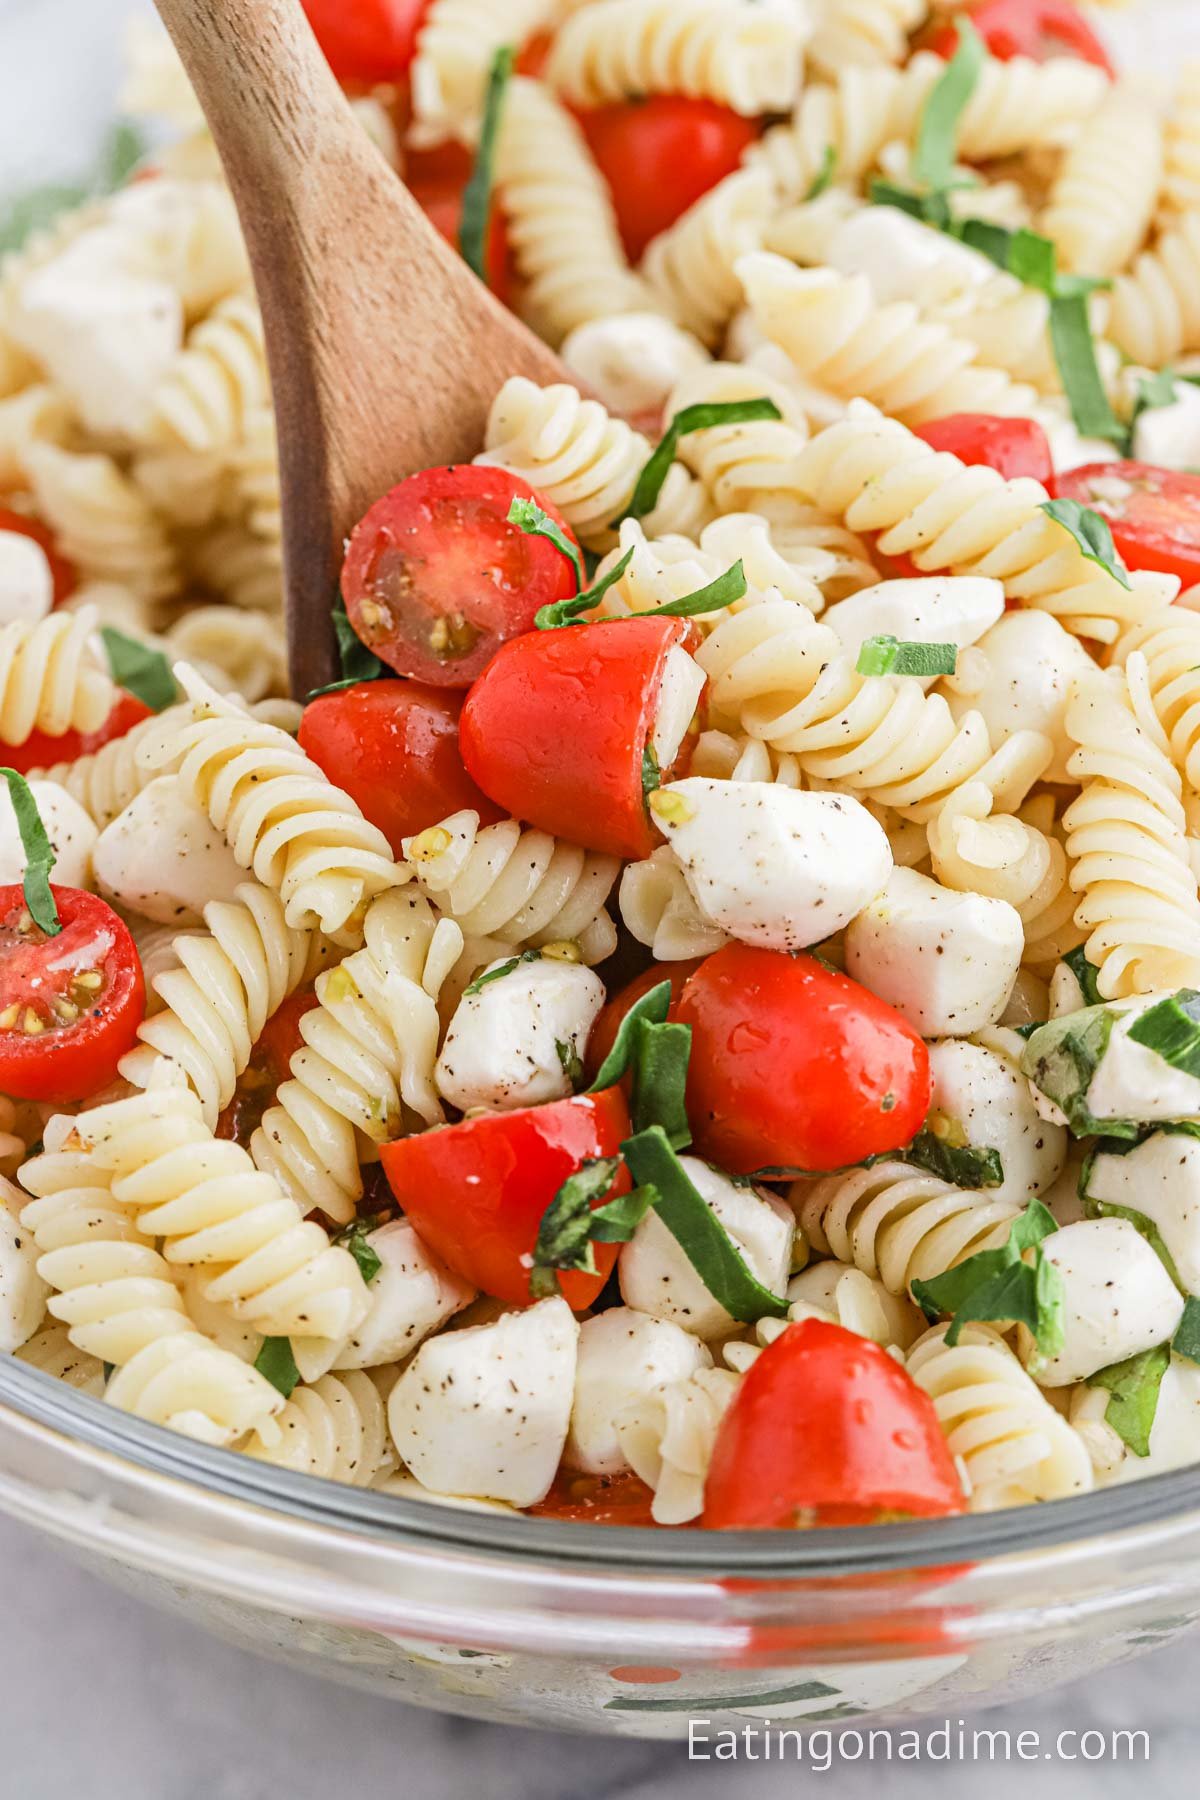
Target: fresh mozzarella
[(1160, 1179), (623, 1356), (1133, 1082), (899, 256), (1118, 1300), (23, 1293), (485, 1411), (1029, 662), (678, 696), (26, 580), (937, 609), (981, 1098), (1175, 1433), (515, 1039), (71, 831), (769, 864), (947, 961), (412, 1293), (658, 1277), (1066, 995), (633, 361), (1168, 437), (162, 857)]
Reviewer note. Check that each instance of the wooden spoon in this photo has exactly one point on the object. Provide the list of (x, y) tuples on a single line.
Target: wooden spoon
[(385, 352)]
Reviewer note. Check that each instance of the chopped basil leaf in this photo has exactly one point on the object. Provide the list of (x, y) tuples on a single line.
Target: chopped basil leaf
[(1108, 1209), (1061, 1058), (1092, 533), (276, 1362), (999, 1285), (354, 1239), (139, 669), (651, 1009), (498, 974), (358, 663), (567, 612), (965, 1167), (1134, 1385), (475, 223), (823, 179), (723, 591), (1086, 974), (534, 521), (704, 417), (700, 1234), (1154, 392), (930, 209), (1172, 1030), (39, 854), (1079, 371), (937, 137), (885, 655), (1186, 1341), (651, 774), (657, 1054), (570, 1061), (120, 156), (564, 1238), (616, 1222)]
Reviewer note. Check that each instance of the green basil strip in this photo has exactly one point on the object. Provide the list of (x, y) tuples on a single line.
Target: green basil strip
[(140, 669), (567, 612), (39, 854), (1086, 974), (1172, 1030), (1075, 354), (617, 1220), (885, 655), (570, 1062), (534, 521), (477, 195), (937, 138), (653, 1008), (276, 1362), (997, 1285), (1134, 1385), (1092, 533), (823, 179), (564, 1238), (660, 1081), (498, 974), (1186, 1341), (704, 417), (1109, 1209), (905, 200), (723, 591), (123, 151), (354, 1239), (965, 1167), (1061, 1058), (696, 1228)]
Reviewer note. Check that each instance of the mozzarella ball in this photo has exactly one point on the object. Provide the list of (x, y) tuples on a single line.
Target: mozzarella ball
[(658, 1277), (71, 831), (514, 1041), (901, 257), (946, 961), (485, 1411), (26, 580), (1160, 1179), (633, 360), (162, 857), (412, 1293), (769, 864), (23, 1293), (1168, 437), (981, 1098), (1118, 1300), (1031, 662), (935, 609), (1175, 1433), (623, 1356)]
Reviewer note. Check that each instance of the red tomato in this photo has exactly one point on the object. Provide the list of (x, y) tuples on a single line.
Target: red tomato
[(1036, 28), (270, 1063), (1013, 447), (556, 728), (597, 1499), (476, 1191), (70, 1005), (1155, 525), (436, 179), (796, 1066), (41, 751), (828, 1429), (603, 1033), (367, 40), (64, 572), (436, 579), (393, 747), (659, 155)]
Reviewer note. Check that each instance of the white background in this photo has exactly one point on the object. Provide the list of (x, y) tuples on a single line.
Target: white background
[(102, 1698)]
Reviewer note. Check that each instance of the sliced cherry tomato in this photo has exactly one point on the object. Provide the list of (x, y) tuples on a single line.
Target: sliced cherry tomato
[(70, 1005), (476, 1191), (367, 40), (828, 1429), (597, 1499), (1013, 447), (63, 572), (1036, 28), (436, 579), (393, 747), (556, 729), (270, 1063), (437, 179), (41, 751), (1154, 513), (603, 1033), (795, 1066), (659, 155)]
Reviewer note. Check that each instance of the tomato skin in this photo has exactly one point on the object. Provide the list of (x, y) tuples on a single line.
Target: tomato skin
[(64, 573), (393, 747), (796, 1066), (660, 155), (269, 1064), (67, 1062), (556, 727), (1157, 527), (438, 553), (603, 1033), (826, 1424), (1013, 447), (41, 751), (476, 1191), (1036, 28), (367, 40), (620, 1499)]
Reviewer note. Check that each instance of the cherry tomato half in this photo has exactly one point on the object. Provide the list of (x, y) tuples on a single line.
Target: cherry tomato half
[(1036, 28), (70, 1005), (795, 1066), (393, 747), (436, 579), (270, 1063), (63, 572), (659, 155), (476, 1191), (597, 1499), (1154, 513), (1013, 447), (828, 1429), (556, 728), (41, 751), (367, 40)]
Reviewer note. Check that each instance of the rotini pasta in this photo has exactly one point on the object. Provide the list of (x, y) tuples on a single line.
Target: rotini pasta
[(218, 381), (1103, 201), (102, 521), (337, 1428), (1170, 643), (863, 32), (692, 266), (658, 909), (52, 1351), (1007, 858), (49, 679), (455, 47), (668, 1439)]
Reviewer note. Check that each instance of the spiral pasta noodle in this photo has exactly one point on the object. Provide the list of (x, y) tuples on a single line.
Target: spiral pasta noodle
[(1170, 643), (49, 680), (691, 266), (658, 910), (245, 650), (335, 1427), (52, 1351), (241, 566), (455, 47), (1181, 174), (216, 383), (863, 31), (37, 413), (665, 569), (668, 1437), (1007, 858), (746, 465), (101, 520), (1104, 198)]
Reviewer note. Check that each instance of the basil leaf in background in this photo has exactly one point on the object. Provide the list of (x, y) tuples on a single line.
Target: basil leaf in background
[(498, 974), (567, 612), (723, 591), (696, 1228), (39, 854), (140, 669), (886, 655), (32, 211), (823, 179), (937, 136), (1172, 1030), (1086, 974), (930, 209), (354, 1239), (276, 1362), (1134, 1385), (475, 223), (122, 152), (704, 417), (1186, 1341), (534, 521), (651, 773), (358, 663), (652, 1009), (964, 1167), (564, 1237), (998, 1285), (1078, 368), (1092, 533)]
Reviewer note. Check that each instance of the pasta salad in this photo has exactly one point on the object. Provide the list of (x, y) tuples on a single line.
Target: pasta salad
[(700, 1025)]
